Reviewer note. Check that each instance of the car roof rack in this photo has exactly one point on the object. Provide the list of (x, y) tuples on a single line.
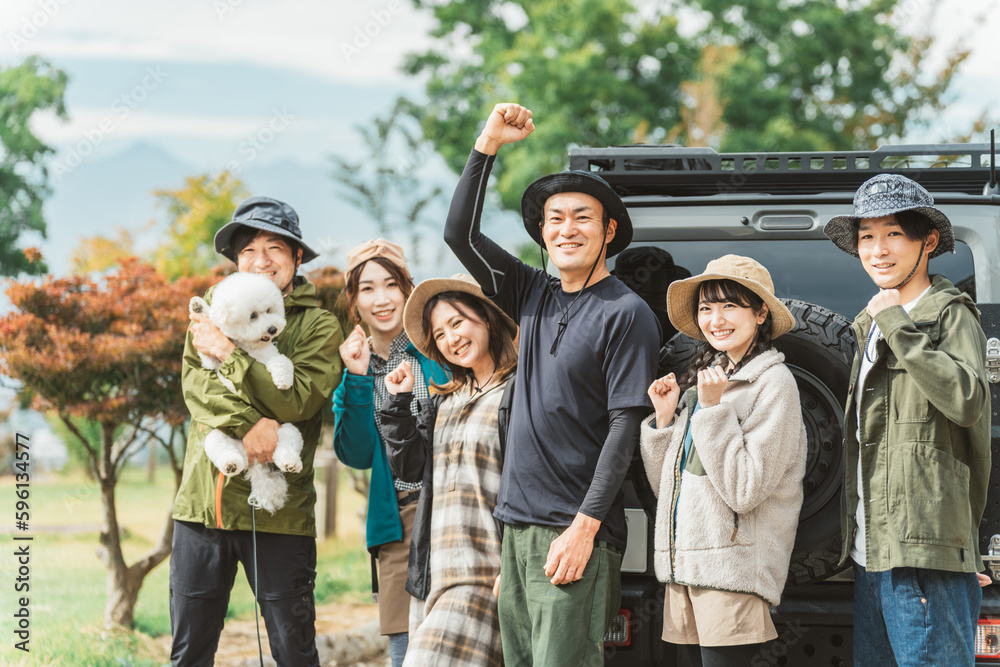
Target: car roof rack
[(648, 169)]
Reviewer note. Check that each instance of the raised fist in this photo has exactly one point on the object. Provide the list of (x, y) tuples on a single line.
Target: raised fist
[(506, 124), (355, 352), (400, 380), (664, 393), (712, 382)]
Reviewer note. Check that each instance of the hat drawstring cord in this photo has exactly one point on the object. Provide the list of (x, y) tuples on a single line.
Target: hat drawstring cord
[(564, 320), (915, 266)]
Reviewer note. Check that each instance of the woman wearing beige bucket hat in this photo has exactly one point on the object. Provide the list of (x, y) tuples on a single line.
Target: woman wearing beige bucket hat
[(455, 445), (377, 287), (725, 451)]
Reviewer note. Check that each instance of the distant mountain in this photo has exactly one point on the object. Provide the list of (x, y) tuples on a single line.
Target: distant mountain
[(104, 194), (114, 192)]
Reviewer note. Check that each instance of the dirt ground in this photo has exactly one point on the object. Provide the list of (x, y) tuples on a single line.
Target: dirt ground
[(238, 645)]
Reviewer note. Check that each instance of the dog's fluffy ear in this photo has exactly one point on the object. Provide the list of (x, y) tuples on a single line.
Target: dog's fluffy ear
[(197, 306), (224, 314)]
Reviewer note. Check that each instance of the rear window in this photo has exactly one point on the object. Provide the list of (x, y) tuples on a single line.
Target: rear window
[(808, 270)]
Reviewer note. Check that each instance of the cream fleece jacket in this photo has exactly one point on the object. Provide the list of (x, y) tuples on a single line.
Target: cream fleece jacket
[(737, 501)]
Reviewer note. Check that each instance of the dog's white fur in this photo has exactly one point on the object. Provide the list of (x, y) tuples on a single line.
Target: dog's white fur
[(249, 310)]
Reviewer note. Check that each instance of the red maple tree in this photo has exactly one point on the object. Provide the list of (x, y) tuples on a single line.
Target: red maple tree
[(108, 351)]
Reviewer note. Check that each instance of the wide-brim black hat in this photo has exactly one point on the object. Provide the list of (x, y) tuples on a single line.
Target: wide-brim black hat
[(533, 204), (265, 214)]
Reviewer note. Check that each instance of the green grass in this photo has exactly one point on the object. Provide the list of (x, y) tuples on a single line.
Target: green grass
[(67, 593)]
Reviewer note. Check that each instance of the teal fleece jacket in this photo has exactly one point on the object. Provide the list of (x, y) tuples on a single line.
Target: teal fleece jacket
[(357, 444)]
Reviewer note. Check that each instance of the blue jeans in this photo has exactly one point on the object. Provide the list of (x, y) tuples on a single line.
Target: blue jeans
[(914, 616)]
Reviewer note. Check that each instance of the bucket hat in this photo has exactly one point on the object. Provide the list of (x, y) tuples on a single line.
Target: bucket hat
[(413, 312), (360, 254), (884, 195), (646, 269), (533, 204), (682, 294), (265, 214)]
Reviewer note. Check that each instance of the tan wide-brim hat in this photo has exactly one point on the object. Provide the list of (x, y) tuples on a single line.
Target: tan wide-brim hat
[(682, 295), (413, 313)]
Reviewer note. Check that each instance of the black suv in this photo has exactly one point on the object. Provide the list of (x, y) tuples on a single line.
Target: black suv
[(698, 205)]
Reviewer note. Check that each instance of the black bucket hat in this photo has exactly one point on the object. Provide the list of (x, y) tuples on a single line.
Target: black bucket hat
[(884, 195), (533, 204), (266, 214)]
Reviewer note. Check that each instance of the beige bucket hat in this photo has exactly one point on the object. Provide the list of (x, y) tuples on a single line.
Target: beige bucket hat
[(413, 312), (682, 294)]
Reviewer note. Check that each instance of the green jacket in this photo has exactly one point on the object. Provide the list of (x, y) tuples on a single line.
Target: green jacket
[(311, 339), (925, 425)]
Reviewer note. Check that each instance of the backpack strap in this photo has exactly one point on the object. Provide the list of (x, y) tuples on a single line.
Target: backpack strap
[(503, 414)]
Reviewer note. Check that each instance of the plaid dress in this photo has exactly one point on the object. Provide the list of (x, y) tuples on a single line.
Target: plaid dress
[(461, 625)]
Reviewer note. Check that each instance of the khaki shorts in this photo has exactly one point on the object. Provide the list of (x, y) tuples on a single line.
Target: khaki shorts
[(393, 557), (715, 618)]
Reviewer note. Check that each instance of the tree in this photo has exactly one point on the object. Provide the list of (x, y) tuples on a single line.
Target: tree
[(769, 75), (109, 353), (817, 75), (594, 72), (386, 184), (26, 89), (101, 253), (197, 211)]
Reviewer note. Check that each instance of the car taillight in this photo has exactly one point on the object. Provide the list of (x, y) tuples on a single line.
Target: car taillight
[(988, 638), (620, 629)]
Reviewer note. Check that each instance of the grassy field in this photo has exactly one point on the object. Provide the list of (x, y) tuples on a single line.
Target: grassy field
[(67, 582)]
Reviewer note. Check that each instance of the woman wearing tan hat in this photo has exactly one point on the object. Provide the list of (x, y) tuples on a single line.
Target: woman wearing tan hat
[(455, 445), (725, 451), (378, 284)]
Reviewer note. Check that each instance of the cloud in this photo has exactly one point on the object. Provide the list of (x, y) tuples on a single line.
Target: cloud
[(339, 40)]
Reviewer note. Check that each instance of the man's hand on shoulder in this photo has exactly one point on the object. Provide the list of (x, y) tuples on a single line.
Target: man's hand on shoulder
[(261, 441), (507, 124), (570, 552)]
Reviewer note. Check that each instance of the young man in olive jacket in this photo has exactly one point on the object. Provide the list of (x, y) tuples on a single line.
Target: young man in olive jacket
[(917, 436), (212, 518)]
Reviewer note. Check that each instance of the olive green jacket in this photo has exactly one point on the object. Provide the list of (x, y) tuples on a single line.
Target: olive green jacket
[(311, 339), (925, 434)]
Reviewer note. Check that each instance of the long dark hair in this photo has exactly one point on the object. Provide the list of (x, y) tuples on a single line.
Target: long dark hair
[(350, 292), (501, 345), (727, 291)]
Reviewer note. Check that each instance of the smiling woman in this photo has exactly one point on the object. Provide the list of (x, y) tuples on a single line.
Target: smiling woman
[(726, 526), (454, 445), (378, 285)]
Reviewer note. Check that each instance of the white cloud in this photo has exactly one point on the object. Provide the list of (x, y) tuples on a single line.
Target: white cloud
[(141, 123), (338, 40)]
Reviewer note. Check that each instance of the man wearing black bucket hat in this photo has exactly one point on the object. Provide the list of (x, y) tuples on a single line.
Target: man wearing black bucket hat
[(917, 436), (215, 528), (587, 351)]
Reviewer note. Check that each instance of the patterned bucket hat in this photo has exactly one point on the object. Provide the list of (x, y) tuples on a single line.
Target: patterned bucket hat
[(884, 195)]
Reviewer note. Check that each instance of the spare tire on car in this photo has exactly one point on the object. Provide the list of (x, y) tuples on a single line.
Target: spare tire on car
[(818, 351)]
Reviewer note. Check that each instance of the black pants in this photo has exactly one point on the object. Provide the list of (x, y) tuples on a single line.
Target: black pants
[(741, 655), (202, 573)]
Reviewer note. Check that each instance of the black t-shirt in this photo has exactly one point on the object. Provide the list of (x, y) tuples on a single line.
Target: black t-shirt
[(606, 360), (562, 458)]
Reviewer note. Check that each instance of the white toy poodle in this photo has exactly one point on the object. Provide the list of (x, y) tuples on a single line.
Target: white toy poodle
[(249, 310)]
